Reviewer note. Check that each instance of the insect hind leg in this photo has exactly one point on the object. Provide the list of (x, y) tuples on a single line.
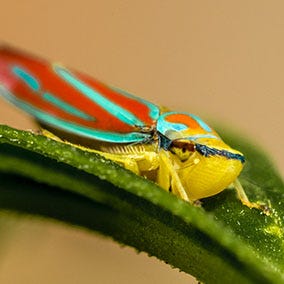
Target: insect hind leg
[(123, 160)]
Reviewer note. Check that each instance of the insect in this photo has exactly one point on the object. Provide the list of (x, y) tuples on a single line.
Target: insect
[(177, 150)]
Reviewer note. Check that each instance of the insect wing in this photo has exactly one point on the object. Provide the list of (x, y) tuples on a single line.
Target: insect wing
[(74, 102)]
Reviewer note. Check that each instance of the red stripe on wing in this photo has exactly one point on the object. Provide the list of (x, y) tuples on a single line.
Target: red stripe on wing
[(51, 83)]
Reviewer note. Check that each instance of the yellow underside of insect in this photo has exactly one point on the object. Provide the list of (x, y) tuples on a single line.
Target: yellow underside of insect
[(196, 178)]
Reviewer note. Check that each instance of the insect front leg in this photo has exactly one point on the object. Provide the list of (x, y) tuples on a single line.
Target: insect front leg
[(168, 177), (244, 199)]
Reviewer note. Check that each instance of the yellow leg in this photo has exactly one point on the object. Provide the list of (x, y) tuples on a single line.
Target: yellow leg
[(50, 135), (126, 162), (123, 160), (244, 199), (163, 175), (167, 176)]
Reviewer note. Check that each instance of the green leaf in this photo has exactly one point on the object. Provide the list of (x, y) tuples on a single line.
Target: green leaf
[(221, 242)]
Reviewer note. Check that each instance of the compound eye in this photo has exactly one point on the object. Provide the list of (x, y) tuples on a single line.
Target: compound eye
[(182, 149)]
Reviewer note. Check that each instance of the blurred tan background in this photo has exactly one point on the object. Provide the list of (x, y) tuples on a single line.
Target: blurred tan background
[(221, 59)]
